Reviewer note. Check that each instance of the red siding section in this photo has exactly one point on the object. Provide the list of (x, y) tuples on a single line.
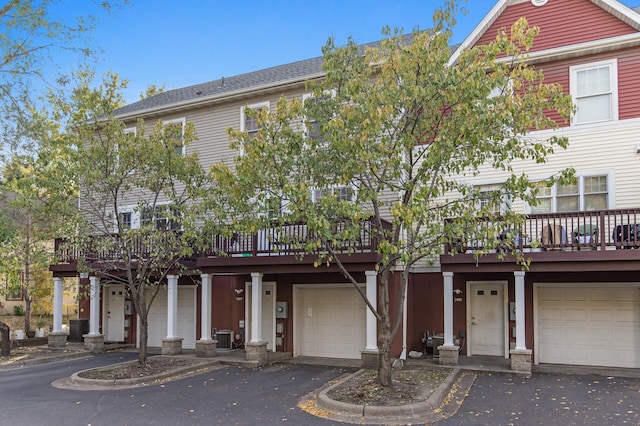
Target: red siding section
[(628, 79), (561, 22)]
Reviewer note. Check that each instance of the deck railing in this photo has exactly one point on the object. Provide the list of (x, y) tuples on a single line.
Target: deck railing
[(289, 239), (111, 248), (595, 230), (281, 240)]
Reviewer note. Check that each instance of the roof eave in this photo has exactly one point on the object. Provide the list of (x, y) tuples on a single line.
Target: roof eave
[(222, 97)]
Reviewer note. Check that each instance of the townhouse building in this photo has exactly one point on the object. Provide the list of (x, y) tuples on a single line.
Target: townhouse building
[(577, 303)]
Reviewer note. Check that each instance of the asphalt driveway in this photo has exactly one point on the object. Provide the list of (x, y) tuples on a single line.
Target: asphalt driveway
[(239, 396), (549, 399), (230, 396)]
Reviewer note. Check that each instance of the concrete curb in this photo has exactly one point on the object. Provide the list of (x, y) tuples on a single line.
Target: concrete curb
[(382, 414), (77, 382), (46, 359)]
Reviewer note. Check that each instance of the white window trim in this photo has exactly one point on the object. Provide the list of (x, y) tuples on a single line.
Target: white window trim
[(573, 87), (135, 216), (580, 178), (183, 123), (505, 203), (305, 96), (257, 105), (354, 191), (305, 129)]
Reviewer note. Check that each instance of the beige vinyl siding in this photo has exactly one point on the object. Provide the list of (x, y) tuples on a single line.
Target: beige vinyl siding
[(607, 148)]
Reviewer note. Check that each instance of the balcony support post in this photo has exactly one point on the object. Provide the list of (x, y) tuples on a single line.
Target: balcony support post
[(256, 307), (520, 356), (57, 304), (205, 321), (520, 326), (172, 306), (94, 306)]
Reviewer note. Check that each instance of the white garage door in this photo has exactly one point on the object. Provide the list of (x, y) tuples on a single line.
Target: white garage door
[(333, 322), (186, 317), (582, 325)]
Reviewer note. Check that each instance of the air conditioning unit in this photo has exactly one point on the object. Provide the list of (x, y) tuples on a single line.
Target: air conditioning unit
[(224, 339)]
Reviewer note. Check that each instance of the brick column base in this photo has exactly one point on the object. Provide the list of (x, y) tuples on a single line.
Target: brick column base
[(369, 358), (206, 348), (256, 352), (57, 340), (94, 343), (521, 360), (172, 346), (448, 355)]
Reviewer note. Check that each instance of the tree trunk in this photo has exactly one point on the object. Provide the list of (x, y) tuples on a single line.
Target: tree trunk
[(384, 331), (144, 334), (5, 343), (27, 310), (384, 354), (142, 311)]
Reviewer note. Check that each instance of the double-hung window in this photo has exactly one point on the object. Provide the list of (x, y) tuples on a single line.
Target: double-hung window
[(492, 200), (594, 88), (311, 124), (249, 122), (164, 217), (586, 194), (342, 193), (174, 135)]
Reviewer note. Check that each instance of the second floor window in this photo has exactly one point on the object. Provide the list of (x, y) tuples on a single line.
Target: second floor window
[(492, 200), (126, 219), (174, 135), (164, 217), (594, 88), (342, 193), (587, 193), (249, 121)]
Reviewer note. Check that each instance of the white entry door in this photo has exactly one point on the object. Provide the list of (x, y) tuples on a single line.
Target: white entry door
[(268, 328), (486, 319), (115, 313)]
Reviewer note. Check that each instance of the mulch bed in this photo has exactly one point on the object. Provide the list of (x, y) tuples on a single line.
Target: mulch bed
[(154, 366), (409, 386)]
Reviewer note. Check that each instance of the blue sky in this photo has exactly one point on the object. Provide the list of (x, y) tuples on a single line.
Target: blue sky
[(180, 43)]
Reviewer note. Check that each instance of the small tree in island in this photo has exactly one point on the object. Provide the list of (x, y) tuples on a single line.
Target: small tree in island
[(135, 222), (404, 131)]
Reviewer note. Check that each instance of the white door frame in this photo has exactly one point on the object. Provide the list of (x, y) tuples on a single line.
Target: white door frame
[(266, 285), (505, 311), (106, 293)]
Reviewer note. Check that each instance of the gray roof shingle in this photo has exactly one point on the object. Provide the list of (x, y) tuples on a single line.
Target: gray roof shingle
[(280, 73), (300, 70)]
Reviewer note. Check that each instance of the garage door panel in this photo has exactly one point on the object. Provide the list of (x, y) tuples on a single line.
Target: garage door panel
[(589, 326), (574, 314), (333, 322), (186, 318), (575, 295)]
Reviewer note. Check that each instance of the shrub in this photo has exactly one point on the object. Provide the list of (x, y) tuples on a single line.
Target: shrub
[(18, 310)]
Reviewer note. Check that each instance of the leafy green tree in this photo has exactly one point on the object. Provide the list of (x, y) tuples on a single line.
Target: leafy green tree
[(135, 223), (406, 131), (33, 36), (32, 216)]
